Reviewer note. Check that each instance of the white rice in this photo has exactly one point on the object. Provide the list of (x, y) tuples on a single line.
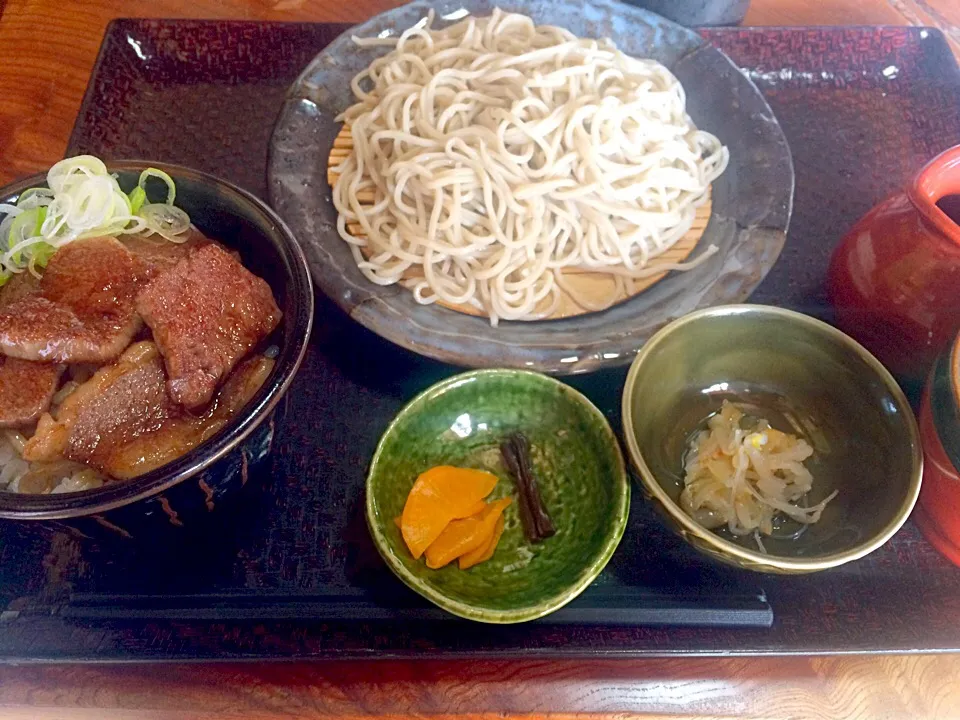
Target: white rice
[(13, 468)]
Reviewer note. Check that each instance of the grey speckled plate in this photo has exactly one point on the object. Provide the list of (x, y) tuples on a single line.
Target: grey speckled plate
[(752, 201)]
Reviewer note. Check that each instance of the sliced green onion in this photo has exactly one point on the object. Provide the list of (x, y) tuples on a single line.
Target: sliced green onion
[(168, 221), (160, 174), (138, 196), (25, 225), (83, 200), (39, 193), (42, 252), (71, 171), (41, 216)]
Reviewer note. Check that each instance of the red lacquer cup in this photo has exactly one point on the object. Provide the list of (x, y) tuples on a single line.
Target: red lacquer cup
[(937, 513)]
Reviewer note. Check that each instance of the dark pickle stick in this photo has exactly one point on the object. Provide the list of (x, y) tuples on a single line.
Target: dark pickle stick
[(536, 520), (526, 518)]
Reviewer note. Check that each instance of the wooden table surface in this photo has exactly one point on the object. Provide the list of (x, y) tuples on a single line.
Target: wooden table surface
[(47, 50)]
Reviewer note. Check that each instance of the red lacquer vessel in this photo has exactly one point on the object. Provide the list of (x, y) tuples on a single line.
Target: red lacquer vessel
[(895, 277), (937, 512)]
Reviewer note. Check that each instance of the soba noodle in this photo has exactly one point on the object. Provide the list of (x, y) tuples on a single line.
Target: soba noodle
[(499, 154)]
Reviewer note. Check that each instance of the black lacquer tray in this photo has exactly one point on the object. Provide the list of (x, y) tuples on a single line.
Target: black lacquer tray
[(289, 570)]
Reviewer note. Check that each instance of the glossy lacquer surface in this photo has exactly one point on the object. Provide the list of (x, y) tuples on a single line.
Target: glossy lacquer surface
[(938, 511), (262, 582), (894, 278)]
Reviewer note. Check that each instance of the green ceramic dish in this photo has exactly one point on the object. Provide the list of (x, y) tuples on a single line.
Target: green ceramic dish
[(578, 463), (799, 373)]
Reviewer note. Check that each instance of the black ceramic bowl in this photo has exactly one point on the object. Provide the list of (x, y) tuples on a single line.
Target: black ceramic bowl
[(180, 494)]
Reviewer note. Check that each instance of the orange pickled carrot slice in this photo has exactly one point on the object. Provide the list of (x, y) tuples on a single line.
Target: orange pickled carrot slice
[(463, 536), (484, 552), (475, 509), (440, 495)]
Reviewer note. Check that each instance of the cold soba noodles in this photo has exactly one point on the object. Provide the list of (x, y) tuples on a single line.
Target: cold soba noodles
[(499, 154)]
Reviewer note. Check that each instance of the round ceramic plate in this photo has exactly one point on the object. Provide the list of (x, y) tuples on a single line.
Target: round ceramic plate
[(580, 472), (752, 200)]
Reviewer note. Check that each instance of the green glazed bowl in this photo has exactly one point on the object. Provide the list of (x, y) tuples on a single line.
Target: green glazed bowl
[(578, 465), (800, 374)]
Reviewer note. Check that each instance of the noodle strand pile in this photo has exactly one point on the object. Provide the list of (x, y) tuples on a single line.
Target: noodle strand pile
[(499, 154)]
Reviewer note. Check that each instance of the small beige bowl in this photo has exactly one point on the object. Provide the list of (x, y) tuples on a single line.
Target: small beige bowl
[(791, 369)]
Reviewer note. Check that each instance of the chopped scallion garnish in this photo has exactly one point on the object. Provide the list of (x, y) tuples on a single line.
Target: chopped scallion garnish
[(83, 200)]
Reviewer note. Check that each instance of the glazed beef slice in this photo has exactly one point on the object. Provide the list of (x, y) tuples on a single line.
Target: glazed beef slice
[(123, 423), (121, 401), (83, 310), (159, 254), (206, 313), (26, 389)]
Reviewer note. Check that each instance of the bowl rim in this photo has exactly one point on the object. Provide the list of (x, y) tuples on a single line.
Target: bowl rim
[(121, 493), (620, 482), (750, 558)]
